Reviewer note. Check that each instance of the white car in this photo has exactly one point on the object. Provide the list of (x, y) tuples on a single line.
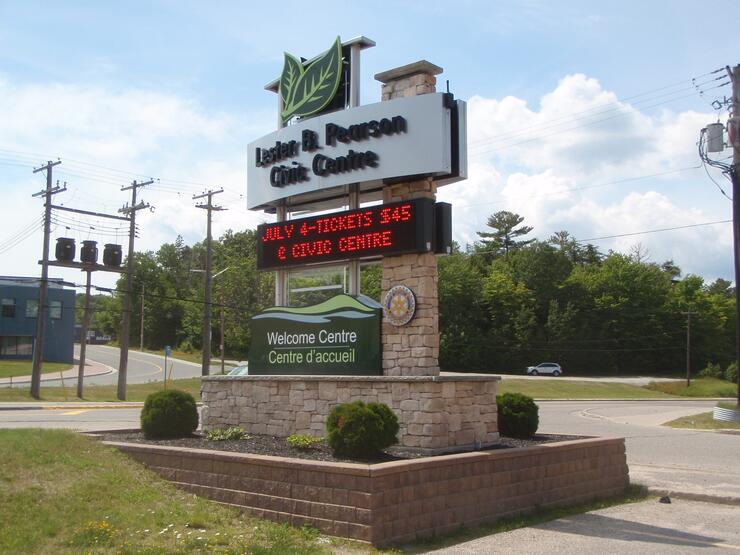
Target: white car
[(241, 370), (544, 368)]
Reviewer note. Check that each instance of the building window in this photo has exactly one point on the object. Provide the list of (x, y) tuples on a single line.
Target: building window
[(16, 346), (310, 286), (32, 308), (24, 346), (55, 310), (8, 308)]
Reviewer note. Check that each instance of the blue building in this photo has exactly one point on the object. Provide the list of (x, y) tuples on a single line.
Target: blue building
[(19, 304)]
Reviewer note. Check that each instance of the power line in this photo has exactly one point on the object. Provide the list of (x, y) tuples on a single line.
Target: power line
[(482, 149), (21, 236), (586, 187), (652, 231), (618, 103)]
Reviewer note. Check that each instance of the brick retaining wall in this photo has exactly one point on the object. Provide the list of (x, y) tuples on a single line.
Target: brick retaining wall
[(400, 501), (436, 414)]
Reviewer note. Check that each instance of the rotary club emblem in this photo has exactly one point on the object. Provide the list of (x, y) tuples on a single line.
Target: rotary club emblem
[(399, 305)]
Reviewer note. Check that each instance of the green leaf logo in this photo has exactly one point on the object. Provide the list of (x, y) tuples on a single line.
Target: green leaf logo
[(306, 91)]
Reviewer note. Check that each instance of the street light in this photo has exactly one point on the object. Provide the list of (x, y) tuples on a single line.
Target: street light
[(206, 360)]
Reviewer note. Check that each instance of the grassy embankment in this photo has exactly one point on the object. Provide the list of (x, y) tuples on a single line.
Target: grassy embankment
[(703, 421), (13, 368), (544, 388), (65, 493), (700, 387), (553, 388)]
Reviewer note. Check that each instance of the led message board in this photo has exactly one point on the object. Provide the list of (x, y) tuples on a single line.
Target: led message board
[(387, 229)]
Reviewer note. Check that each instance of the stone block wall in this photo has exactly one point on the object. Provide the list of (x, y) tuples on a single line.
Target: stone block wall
[(412, 349), (401, 501), (435, 415)]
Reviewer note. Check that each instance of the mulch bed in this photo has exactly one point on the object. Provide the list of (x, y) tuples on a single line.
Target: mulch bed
[(277, 446)]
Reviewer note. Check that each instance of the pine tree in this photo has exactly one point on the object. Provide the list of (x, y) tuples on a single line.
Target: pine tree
[(503, 239)]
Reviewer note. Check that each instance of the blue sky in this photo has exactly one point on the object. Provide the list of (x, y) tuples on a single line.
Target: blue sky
[(565, 100)]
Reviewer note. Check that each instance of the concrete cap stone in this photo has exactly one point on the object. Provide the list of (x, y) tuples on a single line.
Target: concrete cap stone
[(415, 68)]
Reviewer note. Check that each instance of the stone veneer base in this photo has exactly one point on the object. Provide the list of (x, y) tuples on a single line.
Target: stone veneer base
[(436, 414), (401, 501)]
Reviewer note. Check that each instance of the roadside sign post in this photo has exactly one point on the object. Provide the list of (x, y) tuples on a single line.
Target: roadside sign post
[(167, 353)]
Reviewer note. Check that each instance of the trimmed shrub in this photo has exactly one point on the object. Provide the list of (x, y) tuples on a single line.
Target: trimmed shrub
[(518, 415), (169, 414), (361, 430), (304, 441), (731, 372), (712, 370), (226, 434)]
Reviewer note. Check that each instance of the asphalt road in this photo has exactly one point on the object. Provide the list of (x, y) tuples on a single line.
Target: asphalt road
[(142, 367), (694, 461), (84, 417)]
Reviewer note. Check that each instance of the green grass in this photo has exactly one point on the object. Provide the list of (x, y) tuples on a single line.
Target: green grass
[(732, 405), (634, 494), (15, 368), (703, 421), (561, 389), (134, 392), (64, 493), (700, 387), (539, 389)]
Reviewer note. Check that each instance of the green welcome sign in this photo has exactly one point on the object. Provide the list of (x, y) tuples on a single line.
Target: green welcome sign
[(340, 336), (308, 90)]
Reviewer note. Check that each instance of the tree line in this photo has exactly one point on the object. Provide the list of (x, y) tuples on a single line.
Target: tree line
[(505, 302)]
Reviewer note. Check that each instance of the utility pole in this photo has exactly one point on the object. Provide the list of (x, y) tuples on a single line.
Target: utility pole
[(83, 335), (688, 349), (223, 360), (209, 207), (130, 211), (711, 140), (734, 170), (141, 341), (38, 347)]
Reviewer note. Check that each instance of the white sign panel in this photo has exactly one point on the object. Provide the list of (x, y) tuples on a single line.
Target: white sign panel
[(402, 137)]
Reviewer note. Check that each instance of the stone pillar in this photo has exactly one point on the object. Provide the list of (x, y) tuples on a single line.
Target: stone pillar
[(412, 349)]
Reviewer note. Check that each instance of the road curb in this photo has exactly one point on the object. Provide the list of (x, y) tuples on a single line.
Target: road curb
[(692, 496), (72, 405), (627, 399), (79, 406)]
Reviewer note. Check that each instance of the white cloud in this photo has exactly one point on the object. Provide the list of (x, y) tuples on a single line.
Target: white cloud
[(539, 162), (553, 165), (142, 131)]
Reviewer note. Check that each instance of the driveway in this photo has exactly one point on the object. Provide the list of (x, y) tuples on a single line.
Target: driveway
[(632, 380), (695, 462), (681, 527)]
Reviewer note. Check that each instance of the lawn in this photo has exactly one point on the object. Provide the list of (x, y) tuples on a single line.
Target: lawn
[(65, 493), (134, 392), (13, 368), (700, 387), (703, 421), (539, 389), (553, 388)]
